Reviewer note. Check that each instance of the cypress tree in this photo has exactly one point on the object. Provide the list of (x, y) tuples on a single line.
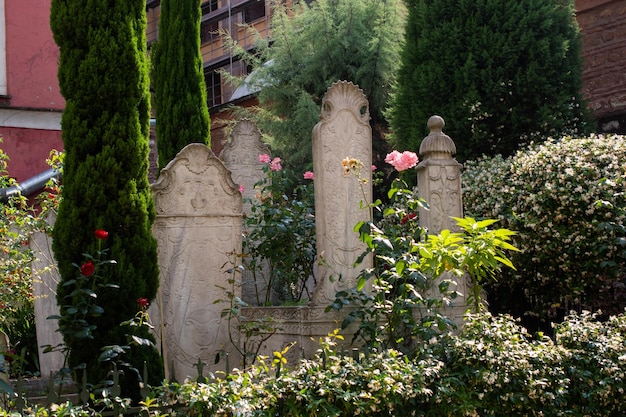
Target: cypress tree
[(502, 73), (182, 115), (104, 77)]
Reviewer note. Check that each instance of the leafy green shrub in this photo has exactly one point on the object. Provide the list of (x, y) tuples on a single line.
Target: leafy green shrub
[(280, 230), (566, 199), (492, 367), (19, 219), (414, 274)]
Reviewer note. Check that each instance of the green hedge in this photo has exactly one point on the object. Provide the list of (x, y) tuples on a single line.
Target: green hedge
[(566, 198), (491, 368)]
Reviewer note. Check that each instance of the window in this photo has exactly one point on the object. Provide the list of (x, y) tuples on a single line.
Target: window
[(214, 88), (209, 6), (209, 31), (254, 12)]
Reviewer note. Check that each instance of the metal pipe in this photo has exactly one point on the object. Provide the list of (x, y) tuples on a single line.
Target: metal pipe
[(29, 186)]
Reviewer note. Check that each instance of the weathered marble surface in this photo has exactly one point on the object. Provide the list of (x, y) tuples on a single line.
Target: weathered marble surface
[(198, 228)]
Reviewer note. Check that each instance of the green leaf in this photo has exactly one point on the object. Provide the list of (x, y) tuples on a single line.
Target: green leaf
[(361, 283), (96, 310), (141, 341), (4, 387)]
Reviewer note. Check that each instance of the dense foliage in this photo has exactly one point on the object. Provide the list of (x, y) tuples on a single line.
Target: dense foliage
[(182, 115), (279, 237), (493, 367), (566, 198), (103, 75), (502, 73), (19, 220), (313, 45), (406, 299)]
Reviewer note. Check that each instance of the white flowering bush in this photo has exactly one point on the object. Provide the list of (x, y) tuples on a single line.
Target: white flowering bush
[(492, 367), (566, 200)]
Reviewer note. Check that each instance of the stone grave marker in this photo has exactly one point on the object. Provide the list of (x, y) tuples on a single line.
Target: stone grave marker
[(198, 229), (45, 281), (241, 157), (439, 183), (342, 132)]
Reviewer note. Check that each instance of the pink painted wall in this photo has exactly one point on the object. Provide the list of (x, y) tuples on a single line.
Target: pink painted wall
[(32, 87), (28, 150), (32, 55)]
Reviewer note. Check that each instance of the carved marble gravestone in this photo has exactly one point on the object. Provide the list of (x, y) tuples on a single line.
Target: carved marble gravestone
[(439, 179), (241, 157), (44, 289), (439, 183), (198, 228), (343, 132)]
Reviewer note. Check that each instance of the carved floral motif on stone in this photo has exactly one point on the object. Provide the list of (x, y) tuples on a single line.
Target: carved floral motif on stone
[(241, 156), (343, 131), (198, 229), (197, 174)]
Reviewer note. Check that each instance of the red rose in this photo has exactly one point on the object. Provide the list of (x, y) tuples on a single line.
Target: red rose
[(11, 353), (101, 234), (87, 269), (142, 302), (407, 218)]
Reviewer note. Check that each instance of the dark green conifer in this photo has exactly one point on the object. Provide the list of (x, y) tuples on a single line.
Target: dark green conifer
[(182, 115), (501, 73), (104, 77)]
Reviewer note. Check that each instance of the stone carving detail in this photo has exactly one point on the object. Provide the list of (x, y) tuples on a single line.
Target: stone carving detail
[(343, 131), (198, 228), (439, 183), (438, 179), (241, 157)]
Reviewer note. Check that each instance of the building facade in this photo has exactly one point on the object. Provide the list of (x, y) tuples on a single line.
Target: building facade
[(603, 27), (30, 101), (242, 20)]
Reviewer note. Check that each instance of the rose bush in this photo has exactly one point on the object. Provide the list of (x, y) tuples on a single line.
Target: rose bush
[(414, 274), (566, 199), (280, 232)]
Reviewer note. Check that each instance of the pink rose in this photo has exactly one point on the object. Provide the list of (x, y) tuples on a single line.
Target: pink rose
[(374, 168), (241, 189), (309, 175), (264, 158), (275, 164), (402, 161)]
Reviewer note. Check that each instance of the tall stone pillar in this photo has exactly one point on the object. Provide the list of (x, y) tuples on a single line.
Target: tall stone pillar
[(241, 157), (343, 132), (439, 179), (439, 184), (45, 290)]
